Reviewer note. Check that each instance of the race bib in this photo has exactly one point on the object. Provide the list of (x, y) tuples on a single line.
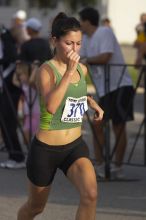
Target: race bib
[(74, 109)]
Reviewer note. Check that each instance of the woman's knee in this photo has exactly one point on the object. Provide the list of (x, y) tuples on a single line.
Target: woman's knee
[(89, 195), (35, 208)]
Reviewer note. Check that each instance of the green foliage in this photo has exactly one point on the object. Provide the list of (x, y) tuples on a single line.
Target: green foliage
[(134, 74)]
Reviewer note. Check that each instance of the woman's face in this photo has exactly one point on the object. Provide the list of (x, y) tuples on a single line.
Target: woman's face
[(71, 41)]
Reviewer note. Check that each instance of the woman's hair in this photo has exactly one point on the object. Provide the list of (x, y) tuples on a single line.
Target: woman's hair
[(63, 24)]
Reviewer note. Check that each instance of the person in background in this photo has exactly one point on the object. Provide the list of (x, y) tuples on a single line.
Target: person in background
[(19, 32), (18, 28), (29, 99), (9, 98), (99, 48), (33, 53), (140, 42), (106, 22), (2, 145), (58, 142), (36, 48), (140, 31)]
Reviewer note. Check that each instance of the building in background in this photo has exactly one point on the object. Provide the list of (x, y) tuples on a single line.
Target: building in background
[(124, 15)]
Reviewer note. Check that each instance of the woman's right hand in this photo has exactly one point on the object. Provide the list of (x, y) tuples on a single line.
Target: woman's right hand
[(72, 62)]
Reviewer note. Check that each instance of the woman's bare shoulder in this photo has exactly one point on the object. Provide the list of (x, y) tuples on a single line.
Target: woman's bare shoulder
[(45, 72), (84, 68), (45, 67)]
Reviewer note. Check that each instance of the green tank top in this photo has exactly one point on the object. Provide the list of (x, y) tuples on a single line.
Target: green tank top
[(50, 121)]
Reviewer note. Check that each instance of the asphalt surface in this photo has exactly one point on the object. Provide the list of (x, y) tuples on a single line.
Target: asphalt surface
[(118, 199)]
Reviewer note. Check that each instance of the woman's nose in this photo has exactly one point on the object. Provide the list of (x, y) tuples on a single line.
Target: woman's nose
[(74, 47)]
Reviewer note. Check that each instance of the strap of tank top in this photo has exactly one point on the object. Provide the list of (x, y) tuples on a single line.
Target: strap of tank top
[(58, 76), (80, 70)]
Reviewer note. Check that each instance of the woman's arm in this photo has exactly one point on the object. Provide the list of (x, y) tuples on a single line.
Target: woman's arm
[(91, 102), (52, 94)]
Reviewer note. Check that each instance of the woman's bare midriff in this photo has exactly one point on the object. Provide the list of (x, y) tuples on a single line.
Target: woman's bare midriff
[(58, 137)]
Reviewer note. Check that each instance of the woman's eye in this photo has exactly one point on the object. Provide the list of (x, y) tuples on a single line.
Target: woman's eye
[(68, 43)]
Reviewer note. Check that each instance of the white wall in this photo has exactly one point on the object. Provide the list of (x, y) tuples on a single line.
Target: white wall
[(124, 15)]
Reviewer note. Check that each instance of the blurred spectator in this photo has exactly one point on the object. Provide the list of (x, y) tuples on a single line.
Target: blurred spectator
[(99, 48), (140, 42), (34, 51), (106, 22), (30, 105), (140, 31), (18, 28), (37, 48), (9, 97), (2, 146)]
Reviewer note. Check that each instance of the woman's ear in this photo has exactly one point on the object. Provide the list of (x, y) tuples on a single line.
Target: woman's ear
[(53, 41)]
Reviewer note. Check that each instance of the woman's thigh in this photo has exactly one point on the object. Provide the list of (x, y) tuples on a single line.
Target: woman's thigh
[(38, 196)]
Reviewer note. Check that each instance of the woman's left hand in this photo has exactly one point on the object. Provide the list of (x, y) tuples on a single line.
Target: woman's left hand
[(98, 116)]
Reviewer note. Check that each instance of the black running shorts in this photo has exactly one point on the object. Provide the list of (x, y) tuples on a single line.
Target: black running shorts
[(43, 160)]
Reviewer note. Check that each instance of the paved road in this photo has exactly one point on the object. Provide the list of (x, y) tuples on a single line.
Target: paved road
[(118, 200)]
